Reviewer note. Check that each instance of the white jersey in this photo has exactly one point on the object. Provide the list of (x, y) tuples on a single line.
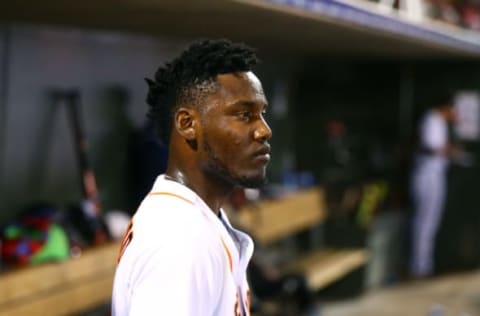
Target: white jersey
[(428, 192), (433, 136), (179, 258)]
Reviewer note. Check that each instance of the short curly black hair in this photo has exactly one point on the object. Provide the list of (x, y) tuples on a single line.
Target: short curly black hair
[(192, 76)]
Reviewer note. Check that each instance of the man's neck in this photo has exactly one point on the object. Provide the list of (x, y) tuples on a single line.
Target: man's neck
[(211, 192)]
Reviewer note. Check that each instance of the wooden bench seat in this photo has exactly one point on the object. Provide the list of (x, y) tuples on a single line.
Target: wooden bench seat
[(325, 266)]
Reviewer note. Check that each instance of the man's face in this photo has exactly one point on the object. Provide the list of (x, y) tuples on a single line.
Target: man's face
[(452, 116), (234, 140)]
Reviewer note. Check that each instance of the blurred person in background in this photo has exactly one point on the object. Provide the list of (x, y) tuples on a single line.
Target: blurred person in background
[(180, 255), (429, 182)]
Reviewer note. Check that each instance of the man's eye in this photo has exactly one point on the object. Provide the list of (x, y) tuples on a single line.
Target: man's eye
[(246, 116)]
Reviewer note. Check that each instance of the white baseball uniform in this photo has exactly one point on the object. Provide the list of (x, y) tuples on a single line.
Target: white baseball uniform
[(179, 258), (428, 192)]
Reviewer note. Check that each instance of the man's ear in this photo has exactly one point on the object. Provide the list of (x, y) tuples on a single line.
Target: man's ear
[(186, 123)]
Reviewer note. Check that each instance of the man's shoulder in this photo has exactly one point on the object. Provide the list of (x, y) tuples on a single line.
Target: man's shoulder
[(165, 211), (165, 226), (168, 198)]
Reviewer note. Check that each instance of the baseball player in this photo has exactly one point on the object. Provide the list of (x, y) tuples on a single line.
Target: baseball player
[(429, 183), (180, 255)]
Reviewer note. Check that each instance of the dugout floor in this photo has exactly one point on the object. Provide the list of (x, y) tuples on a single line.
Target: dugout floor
[(452, 295)]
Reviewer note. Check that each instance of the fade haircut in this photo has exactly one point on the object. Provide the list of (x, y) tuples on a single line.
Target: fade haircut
[(189, 78)]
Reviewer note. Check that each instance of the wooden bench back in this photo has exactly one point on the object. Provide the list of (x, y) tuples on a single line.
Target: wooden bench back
[(61, 288), (272, 220)]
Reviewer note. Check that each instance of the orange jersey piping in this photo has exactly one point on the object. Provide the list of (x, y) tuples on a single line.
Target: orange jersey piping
[(171, 194)]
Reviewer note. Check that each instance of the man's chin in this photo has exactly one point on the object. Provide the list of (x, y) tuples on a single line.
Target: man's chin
[(252, 182)]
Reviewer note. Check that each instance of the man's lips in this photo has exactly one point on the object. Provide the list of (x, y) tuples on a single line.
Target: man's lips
[(263, 153)]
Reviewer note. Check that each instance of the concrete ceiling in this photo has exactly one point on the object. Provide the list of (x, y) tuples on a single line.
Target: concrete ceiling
[(279, 29)]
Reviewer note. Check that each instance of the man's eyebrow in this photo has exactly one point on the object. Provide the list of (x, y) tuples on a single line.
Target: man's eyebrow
[(248, 103)]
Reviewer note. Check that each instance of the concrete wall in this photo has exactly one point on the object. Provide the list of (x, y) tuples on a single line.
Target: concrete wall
[(37, 154)]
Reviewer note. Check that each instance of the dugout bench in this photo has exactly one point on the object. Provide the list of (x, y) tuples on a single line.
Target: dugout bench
[(273, 221)]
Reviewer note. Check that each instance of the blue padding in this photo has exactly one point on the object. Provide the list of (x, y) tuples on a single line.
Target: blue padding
[(362, 17)]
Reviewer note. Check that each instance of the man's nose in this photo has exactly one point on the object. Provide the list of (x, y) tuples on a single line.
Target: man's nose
[(263, 132)]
